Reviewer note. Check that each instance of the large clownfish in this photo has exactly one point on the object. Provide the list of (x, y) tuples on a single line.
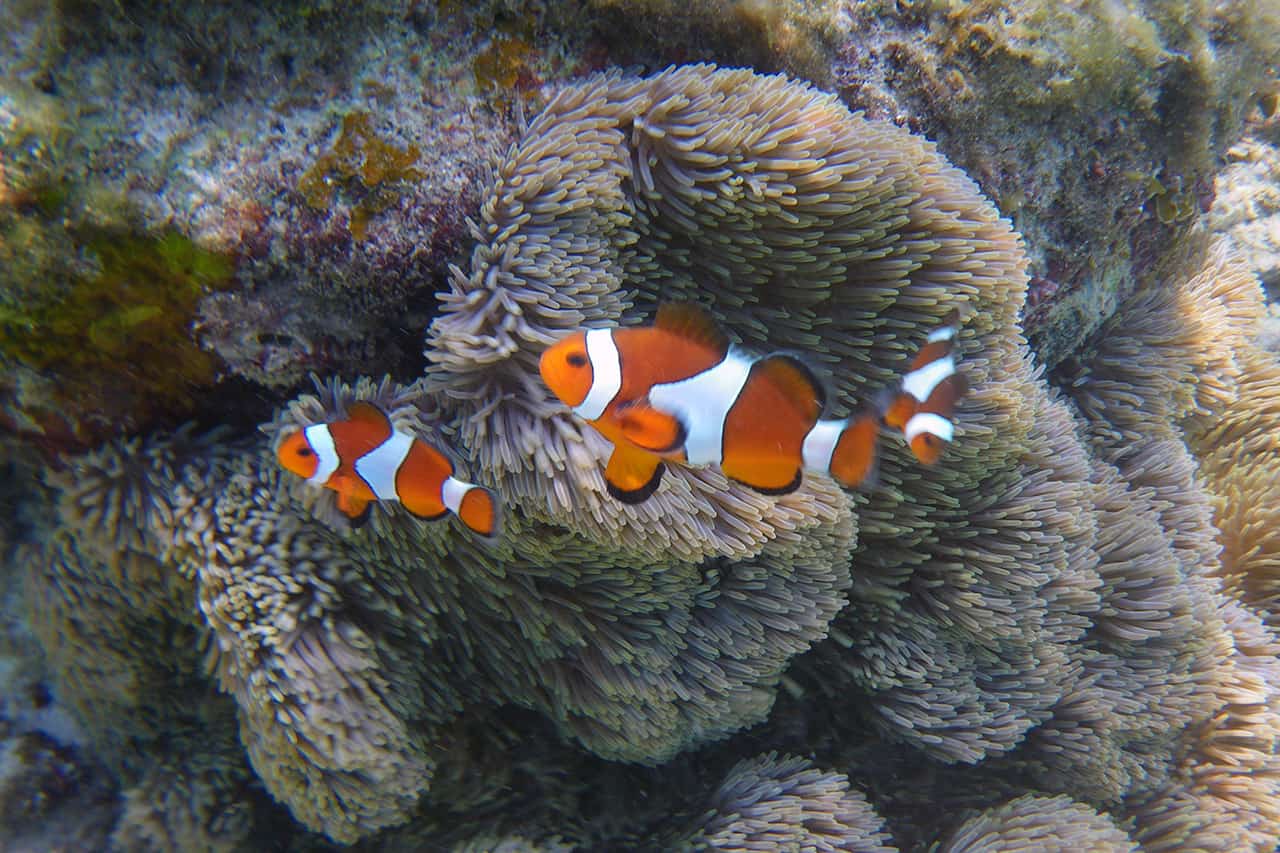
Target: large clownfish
[(677, 390), (364, 459)]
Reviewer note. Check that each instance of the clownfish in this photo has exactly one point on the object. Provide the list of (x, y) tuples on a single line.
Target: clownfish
[(677, 390), (364, 459), (922, 405)]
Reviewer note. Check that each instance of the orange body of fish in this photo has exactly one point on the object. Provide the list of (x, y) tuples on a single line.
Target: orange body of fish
[(364, 459), (677, 390)]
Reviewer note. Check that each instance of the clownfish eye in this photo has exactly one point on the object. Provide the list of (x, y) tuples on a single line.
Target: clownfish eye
[(304, 452), (576, 359)]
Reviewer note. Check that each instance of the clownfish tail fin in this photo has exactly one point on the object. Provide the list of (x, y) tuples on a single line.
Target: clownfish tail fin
[(475, 506), (924, 403), (846, 449)]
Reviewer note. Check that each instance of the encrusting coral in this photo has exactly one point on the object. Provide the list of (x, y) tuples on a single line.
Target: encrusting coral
[(1096, 127), (1045, 602)]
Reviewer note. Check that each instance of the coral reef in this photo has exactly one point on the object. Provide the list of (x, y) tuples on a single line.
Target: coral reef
[(360, 160), (1246, 207), (795, 37), (1108, 124), (51, 797), (1182, 365), (632, 653), (229, 127), (1047, 611), (65, 337), (774, 207), (53, 793), (1246, 204), (1192, 348)]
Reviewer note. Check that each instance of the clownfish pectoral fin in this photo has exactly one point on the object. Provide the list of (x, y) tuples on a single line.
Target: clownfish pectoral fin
[(633, 475), (927, 446), (693, 323), (354, 508), (367, 413), (646, 427)]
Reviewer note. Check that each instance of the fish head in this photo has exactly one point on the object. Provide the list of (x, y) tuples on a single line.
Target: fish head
[(297, 456), (566, 368)]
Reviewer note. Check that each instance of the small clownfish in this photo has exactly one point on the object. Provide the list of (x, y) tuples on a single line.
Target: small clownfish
[(921, 407), (678, 390), (364, 459)]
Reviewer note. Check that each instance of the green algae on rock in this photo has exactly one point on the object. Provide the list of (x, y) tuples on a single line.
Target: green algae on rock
[(132, 310), (101, 343), (361, 162), (225, 107)]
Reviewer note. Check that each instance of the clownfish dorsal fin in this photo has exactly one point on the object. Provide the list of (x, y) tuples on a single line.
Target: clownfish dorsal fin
[(367, 413), (693, 323)]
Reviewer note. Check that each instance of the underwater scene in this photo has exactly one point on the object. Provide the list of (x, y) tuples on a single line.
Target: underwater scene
[(640, 425)]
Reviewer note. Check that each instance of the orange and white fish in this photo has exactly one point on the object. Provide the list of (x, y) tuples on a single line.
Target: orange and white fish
[(677, 390), (364, 459), (923, 404)]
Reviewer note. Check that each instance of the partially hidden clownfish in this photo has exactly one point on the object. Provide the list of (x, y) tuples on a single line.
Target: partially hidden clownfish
[(363, 459), (922, 405), (677, 390)]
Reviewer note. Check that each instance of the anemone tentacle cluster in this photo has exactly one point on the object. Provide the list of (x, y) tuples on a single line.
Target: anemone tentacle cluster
[(1039, 823), (1049, 602), (778, 803)]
